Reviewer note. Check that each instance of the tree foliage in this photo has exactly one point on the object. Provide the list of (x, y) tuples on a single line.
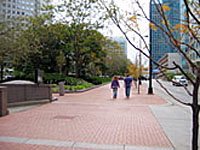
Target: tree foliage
[(82, 16)]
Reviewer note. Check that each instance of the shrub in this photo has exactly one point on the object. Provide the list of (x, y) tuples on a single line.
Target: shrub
[(77, 87), (55, 89), (97, 80), (53, 78), (22, 76), (53, 85), (74, 81)]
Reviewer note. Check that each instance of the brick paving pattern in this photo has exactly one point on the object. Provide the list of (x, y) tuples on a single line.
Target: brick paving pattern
[(89, 117)]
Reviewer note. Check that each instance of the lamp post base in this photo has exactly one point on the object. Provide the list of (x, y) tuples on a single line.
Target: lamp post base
[(150, 90)]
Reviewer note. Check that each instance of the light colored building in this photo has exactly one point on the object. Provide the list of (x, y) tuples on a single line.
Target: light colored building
[(168, 59), (123, 44), (11, 9)]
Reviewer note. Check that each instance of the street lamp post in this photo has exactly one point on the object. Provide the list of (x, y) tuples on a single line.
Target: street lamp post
[(140, 67), (150, 89)]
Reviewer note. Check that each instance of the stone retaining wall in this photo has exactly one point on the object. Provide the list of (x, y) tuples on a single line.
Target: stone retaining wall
[(3, 101), (27, 92)]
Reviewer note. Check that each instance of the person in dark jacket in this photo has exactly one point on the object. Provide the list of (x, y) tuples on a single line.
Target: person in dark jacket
[(128, 83), (115, 85)]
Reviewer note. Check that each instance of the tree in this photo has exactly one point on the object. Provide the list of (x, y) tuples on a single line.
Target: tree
[(50, 47), (94, 53), (115, 62), (6, 38), (134, 69), (173, 34), (81, 16), (39, 44)]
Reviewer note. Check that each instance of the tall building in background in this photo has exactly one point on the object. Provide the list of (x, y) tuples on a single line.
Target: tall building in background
[(123, 44), (11, 9), (189, 39), (160, 44)]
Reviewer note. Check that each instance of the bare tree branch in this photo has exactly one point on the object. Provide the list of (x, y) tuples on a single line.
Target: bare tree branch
[(167, 91), (191, 47), (169, 34), (116, 22), (188, 24), (186, 89), (189, 10)]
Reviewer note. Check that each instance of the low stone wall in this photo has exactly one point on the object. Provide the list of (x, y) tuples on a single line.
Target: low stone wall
[(27, 92), (3, 101)]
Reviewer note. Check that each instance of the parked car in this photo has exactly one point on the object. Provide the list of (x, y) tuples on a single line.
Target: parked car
[(7, 76), (179, 80)]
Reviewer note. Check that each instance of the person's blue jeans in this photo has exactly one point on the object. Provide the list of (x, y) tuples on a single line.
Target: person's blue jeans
[(114, 92), (128, 89)]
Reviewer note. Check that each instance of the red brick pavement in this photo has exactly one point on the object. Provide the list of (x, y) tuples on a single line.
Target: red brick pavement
[(91, 117)]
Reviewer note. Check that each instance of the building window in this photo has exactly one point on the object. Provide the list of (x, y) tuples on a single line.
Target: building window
[(23, 13), (9, 5), (18, 12), (13, 12)]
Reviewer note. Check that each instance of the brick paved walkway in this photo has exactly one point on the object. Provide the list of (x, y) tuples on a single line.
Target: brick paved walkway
[(91, 120)]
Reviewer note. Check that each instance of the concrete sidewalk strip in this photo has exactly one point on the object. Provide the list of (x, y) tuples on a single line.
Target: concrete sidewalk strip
[(131, 147), (68, 144), (99, 146), (36, 141), (13, 139), (50, 142)]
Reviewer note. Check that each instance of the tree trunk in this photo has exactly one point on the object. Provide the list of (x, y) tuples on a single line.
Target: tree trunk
[(2, 67), (77, 69), (195, 111), (36, 75), (195, 129), (60, 69)]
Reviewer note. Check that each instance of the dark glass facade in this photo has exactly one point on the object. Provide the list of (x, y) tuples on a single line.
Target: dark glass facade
[(160, 43)]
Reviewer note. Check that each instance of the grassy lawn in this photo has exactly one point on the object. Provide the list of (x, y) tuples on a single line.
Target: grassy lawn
[(55, 88)]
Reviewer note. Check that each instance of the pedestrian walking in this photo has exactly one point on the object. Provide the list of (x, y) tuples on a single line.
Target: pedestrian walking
[(115, 85), (128, 83)]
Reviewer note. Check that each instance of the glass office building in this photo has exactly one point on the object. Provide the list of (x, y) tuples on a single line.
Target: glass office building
[(160, 44)]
